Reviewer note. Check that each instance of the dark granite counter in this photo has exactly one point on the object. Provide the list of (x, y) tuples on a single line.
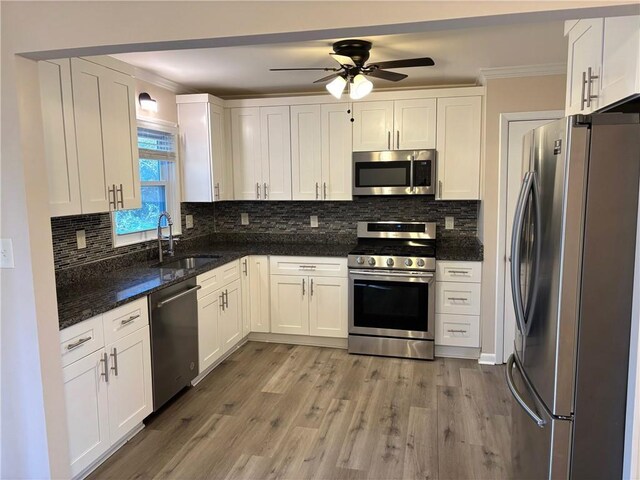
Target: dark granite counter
[(467, 249)]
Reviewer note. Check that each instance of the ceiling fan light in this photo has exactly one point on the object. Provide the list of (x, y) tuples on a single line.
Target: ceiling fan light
[(336, 87), (360, 87)]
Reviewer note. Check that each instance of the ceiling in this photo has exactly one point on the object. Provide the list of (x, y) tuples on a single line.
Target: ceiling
[(459, 55)]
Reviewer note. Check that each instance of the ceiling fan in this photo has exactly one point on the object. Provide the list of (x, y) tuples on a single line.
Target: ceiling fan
[(352, 55)]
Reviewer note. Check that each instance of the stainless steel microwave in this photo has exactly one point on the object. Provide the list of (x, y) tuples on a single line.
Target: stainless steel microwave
[(394, 172)]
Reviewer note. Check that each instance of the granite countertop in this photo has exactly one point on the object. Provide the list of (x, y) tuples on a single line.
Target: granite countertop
[(467, 249)]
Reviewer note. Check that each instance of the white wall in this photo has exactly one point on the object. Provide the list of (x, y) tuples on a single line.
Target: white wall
[(33, 434)]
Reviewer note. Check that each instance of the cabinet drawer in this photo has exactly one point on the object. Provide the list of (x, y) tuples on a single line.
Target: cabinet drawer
[(458, 298), (81, 339), (126, 319), (317, 266), (218, 277), (447, 271), (458, 330)]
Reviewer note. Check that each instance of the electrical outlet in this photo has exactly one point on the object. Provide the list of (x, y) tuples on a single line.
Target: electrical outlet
[(81, 239), (244, 218), (6, 253), (188, 220), (314, 221), (448, 223)]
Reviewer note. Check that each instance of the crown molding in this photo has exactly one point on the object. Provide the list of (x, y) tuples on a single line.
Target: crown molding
[(158, 81), (522, 71)]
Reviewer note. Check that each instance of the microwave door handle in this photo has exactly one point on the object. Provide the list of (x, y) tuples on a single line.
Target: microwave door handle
[(411, 158)]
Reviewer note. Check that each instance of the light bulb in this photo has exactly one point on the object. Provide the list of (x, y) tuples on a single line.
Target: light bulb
[(336, 87), (361, 87)]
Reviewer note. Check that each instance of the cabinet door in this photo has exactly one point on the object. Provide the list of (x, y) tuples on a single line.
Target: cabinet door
[(217, 148), (585, 50), (195, 152), (620, 59), (59, 137), (337, 145), (275, 134), (209, 342), (306, 153), (459, 141), (244, 290), (86, 79), (259, 297), (328, 307), (290, 304), (130, 393), (86, 400), (414, 123), (372, 126), (120, 136), (246, 152), (231, 318)]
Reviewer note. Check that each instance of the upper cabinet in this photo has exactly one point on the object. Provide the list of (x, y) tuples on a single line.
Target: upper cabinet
[(459, 142), (90, 137), (260, 139), (321, 152), (394, 125), (205, 165), (603, 66)]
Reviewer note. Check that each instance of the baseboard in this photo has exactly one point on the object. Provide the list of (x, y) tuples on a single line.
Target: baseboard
[(87, 471), (211, 367), (487, 359), (299, 340), (457, 352)]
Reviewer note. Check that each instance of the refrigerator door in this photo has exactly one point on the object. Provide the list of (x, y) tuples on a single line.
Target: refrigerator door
[(546, 261), (540, 442)]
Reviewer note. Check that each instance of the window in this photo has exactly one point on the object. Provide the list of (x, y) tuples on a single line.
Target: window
[(158, 184)]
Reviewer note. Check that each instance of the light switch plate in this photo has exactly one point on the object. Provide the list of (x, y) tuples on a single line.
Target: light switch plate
[(314, 221), (81, 239), (448, 223), (244, 218), (188, 220), (6, 253)]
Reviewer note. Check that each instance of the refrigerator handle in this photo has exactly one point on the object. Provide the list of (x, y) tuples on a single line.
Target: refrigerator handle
[(516, 236), (529, 411)]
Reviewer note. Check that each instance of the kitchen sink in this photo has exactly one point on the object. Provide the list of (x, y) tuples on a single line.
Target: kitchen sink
[(195, 261)]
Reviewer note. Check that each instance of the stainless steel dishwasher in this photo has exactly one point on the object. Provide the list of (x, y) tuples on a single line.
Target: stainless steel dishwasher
[(174, 339)]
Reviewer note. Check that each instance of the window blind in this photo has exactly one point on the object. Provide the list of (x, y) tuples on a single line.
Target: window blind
[(156, 145)]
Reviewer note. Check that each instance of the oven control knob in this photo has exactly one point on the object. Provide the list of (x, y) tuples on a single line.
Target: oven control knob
[(372, 261), (421, 262), (408, 262), (389, 262), (359, 260)]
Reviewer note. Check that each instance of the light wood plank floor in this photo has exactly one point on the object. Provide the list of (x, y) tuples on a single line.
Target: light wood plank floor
[(274, 411)]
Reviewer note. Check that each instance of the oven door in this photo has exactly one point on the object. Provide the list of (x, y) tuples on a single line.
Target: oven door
[(392, 304)]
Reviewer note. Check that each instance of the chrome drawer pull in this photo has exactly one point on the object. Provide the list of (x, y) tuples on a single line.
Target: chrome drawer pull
[(105, 360), (460, 299), (129, 320), (459, 272), (80, 341), (307, 267), (115, 362), (456, 331)]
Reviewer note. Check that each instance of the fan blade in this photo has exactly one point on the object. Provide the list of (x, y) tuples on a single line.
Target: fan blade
[(328, 77), (409, 62), (342, 59), (323, 69), (385, 75)]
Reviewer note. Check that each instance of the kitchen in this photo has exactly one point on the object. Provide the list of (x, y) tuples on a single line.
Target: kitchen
[(223, 221)]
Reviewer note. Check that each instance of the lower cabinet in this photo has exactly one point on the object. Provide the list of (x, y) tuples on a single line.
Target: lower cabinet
[(254, 277), (328, 306), (209, 343), (230, 319), (290, 304)]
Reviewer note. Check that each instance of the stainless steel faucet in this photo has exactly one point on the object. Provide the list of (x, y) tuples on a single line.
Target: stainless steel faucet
[(162, 237)]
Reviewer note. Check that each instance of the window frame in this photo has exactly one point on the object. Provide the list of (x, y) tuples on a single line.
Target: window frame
[(172, 191)]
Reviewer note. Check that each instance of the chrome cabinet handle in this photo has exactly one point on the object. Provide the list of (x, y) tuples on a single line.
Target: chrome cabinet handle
[(590, 79), (459, 272), (411, 159), (114, 355), (583, 100), (121, 201), (105, 360), (113, 205), (79, 342), (221, 301), (226, 299), (389, 140), (216, 191), (514, 391), (324, 187), (129, 320), (307, 267), (179, 295), (458, 299), (440, 189), (245, 270), (258, 190), (311, 287), (266, 193), (303, 285), (451, 330), (317, 191), (397, 139)]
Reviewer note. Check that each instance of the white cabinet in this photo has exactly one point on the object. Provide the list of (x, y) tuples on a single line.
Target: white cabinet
[(321, 152), (458, 142), (230, 320), (203, 149), (209, 344), (259, 307), (108, 389), (620, 75), (309, 296), (244, 291), (584, 63), (458, 303), (261, 150), (394, 125)]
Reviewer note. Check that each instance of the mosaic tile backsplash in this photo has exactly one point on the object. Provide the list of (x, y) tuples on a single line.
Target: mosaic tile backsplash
[(335, 219)]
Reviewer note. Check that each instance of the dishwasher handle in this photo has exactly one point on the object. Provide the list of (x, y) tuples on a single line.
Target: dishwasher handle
[(162, 303)]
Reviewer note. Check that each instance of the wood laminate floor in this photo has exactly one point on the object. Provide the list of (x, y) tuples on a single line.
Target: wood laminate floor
[(273, 411)]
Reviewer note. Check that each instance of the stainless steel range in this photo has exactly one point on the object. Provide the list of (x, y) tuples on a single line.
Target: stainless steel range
[(392, 289)]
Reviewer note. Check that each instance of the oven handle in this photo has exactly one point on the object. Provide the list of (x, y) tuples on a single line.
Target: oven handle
[(409, 274)]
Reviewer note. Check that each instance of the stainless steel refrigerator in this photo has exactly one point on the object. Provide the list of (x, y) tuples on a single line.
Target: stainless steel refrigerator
[(572, 263)]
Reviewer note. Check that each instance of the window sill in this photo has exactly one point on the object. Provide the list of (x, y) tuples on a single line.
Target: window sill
[(141, 237)]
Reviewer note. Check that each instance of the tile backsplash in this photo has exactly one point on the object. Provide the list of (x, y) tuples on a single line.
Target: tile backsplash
[(290, 217)]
